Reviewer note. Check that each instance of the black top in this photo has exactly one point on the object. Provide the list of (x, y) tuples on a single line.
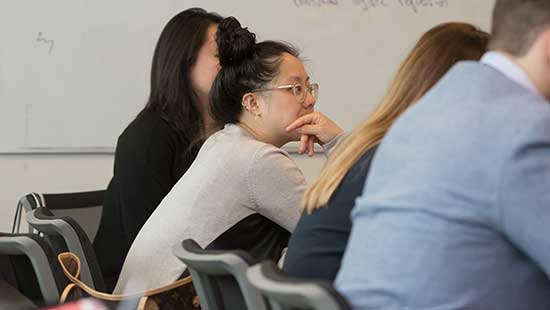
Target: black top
[(257, 235), (150, 158), (316, 247)]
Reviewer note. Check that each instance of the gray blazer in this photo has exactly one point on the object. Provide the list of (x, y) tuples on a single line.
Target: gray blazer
[(456, 213)]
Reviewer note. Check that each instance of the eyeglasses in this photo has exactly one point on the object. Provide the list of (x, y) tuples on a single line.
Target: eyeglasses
[(299, 91)]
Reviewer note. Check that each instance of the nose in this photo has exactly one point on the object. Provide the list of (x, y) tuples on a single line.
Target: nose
[(310, 101)]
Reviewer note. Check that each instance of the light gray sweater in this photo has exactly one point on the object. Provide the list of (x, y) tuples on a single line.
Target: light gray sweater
[(233, 177)]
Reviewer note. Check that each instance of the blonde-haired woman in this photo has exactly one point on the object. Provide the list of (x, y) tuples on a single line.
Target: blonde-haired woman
[(316, 247)]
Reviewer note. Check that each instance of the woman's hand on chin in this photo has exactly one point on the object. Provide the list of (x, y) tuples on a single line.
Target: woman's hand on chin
[(314, 127)]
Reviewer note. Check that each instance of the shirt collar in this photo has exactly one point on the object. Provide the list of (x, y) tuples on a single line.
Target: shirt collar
[(500, 62)]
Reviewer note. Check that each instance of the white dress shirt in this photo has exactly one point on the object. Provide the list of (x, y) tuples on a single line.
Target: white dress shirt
[(507, 67)]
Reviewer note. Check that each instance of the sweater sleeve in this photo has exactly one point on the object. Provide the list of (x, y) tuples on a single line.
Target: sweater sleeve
[(330, 146), (277, 186)]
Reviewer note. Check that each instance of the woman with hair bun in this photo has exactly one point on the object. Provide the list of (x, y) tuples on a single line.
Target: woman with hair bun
[(242, 191)]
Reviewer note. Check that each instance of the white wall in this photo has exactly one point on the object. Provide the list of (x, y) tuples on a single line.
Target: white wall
[(20, 174), (57, 66)]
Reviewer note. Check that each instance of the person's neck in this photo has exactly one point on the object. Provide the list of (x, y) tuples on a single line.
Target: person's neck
[(208, 123), (258, 132), (537, 72)]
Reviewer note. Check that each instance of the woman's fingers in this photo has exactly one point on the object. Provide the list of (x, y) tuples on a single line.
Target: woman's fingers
[(303, 144), (311, 146), (314, 127), (307, 145), (303, 120), (311, 130)]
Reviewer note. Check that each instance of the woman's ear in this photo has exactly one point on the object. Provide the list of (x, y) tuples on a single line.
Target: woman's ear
[(251, 104)]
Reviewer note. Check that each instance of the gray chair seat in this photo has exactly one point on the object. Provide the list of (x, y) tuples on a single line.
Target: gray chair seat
[(284, 292)]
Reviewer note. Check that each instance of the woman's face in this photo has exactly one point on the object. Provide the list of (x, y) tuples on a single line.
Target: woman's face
[(281, 107), (205, 69)]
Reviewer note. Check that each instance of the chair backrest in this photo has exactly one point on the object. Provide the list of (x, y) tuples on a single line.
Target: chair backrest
[(30, 266), (28, 202), (65, 234), (84, 207), (284, 292), (219, 277)]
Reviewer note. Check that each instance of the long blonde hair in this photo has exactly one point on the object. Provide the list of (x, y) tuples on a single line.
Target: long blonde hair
[(434, 54)]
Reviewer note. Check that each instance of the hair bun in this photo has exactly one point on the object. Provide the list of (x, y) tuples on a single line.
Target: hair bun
[(235, 44)]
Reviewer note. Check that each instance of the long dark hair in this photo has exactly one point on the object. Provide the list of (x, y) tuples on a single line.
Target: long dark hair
[(245, 66), (172, 95)]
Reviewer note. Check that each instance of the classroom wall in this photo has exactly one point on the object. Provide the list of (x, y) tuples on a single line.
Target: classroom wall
[(70, 173), (58, 66)]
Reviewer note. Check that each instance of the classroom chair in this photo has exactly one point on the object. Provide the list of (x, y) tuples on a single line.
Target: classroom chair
[(64, 234), (284, 292), (219, 277), (29, 266), (84, 207)]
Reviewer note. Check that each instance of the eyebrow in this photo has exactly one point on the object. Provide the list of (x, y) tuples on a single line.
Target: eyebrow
[(297, 78)]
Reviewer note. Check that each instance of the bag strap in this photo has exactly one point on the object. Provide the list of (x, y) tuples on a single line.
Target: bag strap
[(177, 283), (146, 304), (70, 263), (66, 291)]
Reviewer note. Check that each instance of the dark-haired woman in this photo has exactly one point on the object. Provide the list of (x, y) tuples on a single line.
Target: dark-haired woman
[(156, 149), (242, 191)]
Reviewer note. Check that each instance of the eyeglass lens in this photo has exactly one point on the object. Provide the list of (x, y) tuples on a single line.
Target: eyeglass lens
[(301, 92)]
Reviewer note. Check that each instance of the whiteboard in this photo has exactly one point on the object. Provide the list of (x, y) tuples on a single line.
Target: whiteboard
[(74, 73)]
